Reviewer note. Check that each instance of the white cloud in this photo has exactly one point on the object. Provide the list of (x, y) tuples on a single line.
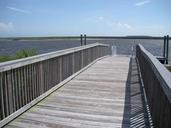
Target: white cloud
[(100, 18), (102, 21), (18, 10), (120, 26), (141, 3), (6, 27), (123, 25)]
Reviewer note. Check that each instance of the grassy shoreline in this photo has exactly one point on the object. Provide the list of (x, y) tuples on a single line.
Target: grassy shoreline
[(40, 38), (23, 53), (169, 68), (78, 37)]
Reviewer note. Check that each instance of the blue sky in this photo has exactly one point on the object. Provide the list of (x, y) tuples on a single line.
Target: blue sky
[(92, 17)]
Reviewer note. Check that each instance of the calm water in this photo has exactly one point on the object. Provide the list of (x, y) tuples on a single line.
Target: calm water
[(122, 46)]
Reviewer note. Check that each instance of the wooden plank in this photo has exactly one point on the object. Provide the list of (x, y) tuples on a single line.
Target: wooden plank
[(17, 89), (21, 86), (2, 111), (92, 99), (76, 115), (96, 110), (25, 85), (6, 103), (69, 121), (90, 118), (35, 101), (13, 91)]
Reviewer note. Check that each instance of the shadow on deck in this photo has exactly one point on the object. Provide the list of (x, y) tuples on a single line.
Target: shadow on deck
[(135, 112), (106, 95)]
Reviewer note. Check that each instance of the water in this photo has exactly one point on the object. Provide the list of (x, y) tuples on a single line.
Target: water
[(120, 46), (43, 46)]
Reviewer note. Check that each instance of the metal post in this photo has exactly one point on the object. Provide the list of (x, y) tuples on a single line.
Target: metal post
[(167, 49), (164, 47), (81, 37), (85, 39)]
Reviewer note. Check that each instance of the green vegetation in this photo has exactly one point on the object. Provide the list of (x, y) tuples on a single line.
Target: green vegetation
[(4, 58), (41, 38), (169, 68), (26, 53), (19, 54)]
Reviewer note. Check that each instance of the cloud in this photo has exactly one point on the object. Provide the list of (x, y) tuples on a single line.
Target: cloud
[(18, 10), (6, 27), (120, 26), (100, 18), (102, 22), (123, 25), (142, 3)]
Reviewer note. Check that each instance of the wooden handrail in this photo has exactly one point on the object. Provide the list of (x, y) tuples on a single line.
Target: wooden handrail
[(23, 81), (29, 60), (157, 84)]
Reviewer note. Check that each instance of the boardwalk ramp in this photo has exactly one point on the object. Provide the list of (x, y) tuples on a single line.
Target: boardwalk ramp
[(108, 94)]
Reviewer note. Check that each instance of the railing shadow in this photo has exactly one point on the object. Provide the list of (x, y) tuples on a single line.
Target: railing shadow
[(135, 114)]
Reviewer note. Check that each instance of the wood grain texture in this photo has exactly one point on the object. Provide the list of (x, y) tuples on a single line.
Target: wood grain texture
[(157, 84), (106, 95), (5, 66)]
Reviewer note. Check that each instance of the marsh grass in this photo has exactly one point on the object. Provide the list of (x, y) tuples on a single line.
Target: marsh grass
[(169, 68), (23, 53)]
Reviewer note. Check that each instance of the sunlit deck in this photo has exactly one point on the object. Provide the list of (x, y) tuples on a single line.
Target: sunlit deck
[(108, 94)]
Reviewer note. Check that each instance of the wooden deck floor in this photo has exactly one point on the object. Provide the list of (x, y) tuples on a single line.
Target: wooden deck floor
[(106, 95)]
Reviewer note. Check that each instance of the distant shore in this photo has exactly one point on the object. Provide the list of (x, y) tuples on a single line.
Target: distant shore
[(77, 38), (38, 38)]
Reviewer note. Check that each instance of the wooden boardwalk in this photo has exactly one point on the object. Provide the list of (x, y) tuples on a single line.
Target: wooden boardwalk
[(106, 95)]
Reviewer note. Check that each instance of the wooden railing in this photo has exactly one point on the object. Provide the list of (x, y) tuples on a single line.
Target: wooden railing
[(22, 81), (157, 83)]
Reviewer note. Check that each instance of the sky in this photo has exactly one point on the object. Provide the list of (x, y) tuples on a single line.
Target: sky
[(91, 17)]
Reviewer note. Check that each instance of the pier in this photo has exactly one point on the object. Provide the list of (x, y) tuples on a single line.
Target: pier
[(85, 87)]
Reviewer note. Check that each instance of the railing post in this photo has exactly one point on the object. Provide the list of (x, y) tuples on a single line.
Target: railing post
[(41, 78), (10, 92), (81, 39), (164, 47), (73, 63), (2, 110), (85, 41), (82, 58), (167, 49), (60, 68)]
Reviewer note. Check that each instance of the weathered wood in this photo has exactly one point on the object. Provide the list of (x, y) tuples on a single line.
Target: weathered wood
[(34, 59), (2, 110), (35, 83), (16, 89), (167, 49), (24, 80), (164, 47), (107, 94), (6, 103), (157, 83)]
